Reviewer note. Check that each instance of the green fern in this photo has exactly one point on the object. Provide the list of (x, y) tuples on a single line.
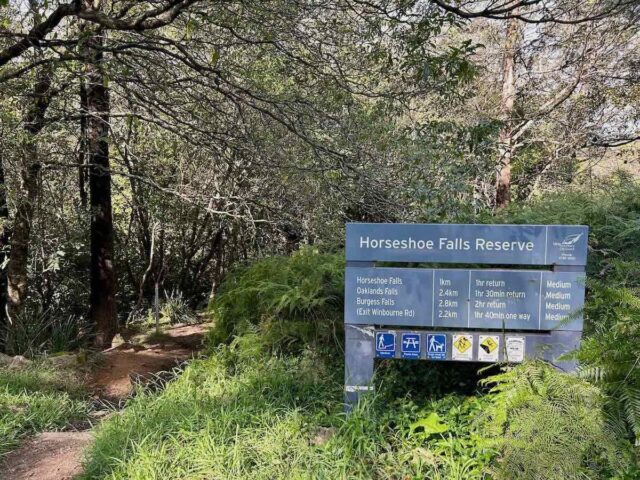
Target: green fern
[(292, 300), (550, 425)]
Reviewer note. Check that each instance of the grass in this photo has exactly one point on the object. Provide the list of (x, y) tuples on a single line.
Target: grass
[(36, 399), (243, 413)]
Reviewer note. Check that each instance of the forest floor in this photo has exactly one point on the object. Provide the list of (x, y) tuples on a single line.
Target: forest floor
[(58, 455)]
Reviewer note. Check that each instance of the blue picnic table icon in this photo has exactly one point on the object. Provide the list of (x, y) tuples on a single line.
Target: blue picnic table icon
[(410, 345)]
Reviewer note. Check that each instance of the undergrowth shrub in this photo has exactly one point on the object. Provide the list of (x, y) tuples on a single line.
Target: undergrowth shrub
[(547, 424), (293, 301), (609, 355), (34, 332), (175, 309)]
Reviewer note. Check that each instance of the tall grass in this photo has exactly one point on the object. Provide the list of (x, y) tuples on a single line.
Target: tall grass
[(35, 331), (244, 413)]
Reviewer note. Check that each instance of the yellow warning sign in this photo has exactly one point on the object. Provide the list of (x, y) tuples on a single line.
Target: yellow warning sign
[(489, 345), (462, 344), (462, 348), (489, 350)]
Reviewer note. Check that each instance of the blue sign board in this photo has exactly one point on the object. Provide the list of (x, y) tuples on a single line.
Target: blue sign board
[(410, 345), (477, 244), (464, 298), (498, 314), (385, 344), (436, 346)]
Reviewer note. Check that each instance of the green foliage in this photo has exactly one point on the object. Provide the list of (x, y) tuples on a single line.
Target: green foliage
[(33, 332), (249, 413), (292, 300), (244, 413), (550, 425), (440, 170), (429, 425), (175, 309), (36, 399), (238, 414), (609, 354), (612, 212)]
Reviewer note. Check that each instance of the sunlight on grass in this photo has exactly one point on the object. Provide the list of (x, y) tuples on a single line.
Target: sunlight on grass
[(36, 399)]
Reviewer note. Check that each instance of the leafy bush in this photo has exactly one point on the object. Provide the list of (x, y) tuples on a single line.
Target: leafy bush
[(550, 425), (33, 332), (293, 300), (175, 309), (609, 354), (36, 399)]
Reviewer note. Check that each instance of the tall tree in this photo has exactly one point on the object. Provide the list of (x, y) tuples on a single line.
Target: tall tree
[(95, 106), (30, 165), (507, 99), (97, 112), (5, 235)]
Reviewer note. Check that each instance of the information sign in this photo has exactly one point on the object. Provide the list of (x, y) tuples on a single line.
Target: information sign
[(386, 344), (486, 244), (436, 346), (495, 313), (484, 299), (411, 345)]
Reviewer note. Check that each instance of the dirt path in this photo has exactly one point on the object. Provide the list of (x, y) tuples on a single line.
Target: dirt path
[(58, 455), (49, 455), (130, 362)]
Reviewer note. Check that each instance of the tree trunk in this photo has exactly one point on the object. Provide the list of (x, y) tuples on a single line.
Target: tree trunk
[(505, 140), (17, 272), (103, 284), (82, 154), (5, 235)]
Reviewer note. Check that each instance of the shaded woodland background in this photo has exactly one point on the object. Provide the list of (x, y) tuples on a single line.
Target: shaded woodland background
[(212, 150), (164, 142)]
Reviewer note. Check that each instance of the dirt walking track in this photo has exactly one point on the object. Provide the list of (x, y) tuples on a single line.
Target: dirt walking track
[(58, 455)]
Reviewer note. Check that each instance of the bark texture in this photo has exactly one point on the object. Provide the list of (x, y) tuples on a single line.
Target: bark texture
[(27, 194), (103, 279), (505, 140), (5, 235)]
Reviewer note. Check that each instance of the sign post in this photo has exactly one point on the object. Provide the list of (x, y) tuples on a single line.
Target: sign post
[(491, 307)]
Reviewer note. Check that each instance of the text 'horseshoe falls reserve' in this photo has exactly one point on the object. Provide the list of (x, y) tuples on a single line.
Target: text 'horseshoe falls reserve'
[(504, 311)]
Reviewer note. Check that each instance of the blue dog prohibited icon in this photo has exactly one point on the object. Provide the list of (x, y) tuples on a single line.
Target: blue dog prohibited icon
[(437, 346), (410, 345), (385, 344)]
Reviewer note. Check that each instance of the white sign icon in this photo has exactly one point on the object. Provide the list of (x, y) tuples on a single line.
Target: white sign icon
[(515, 349)]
